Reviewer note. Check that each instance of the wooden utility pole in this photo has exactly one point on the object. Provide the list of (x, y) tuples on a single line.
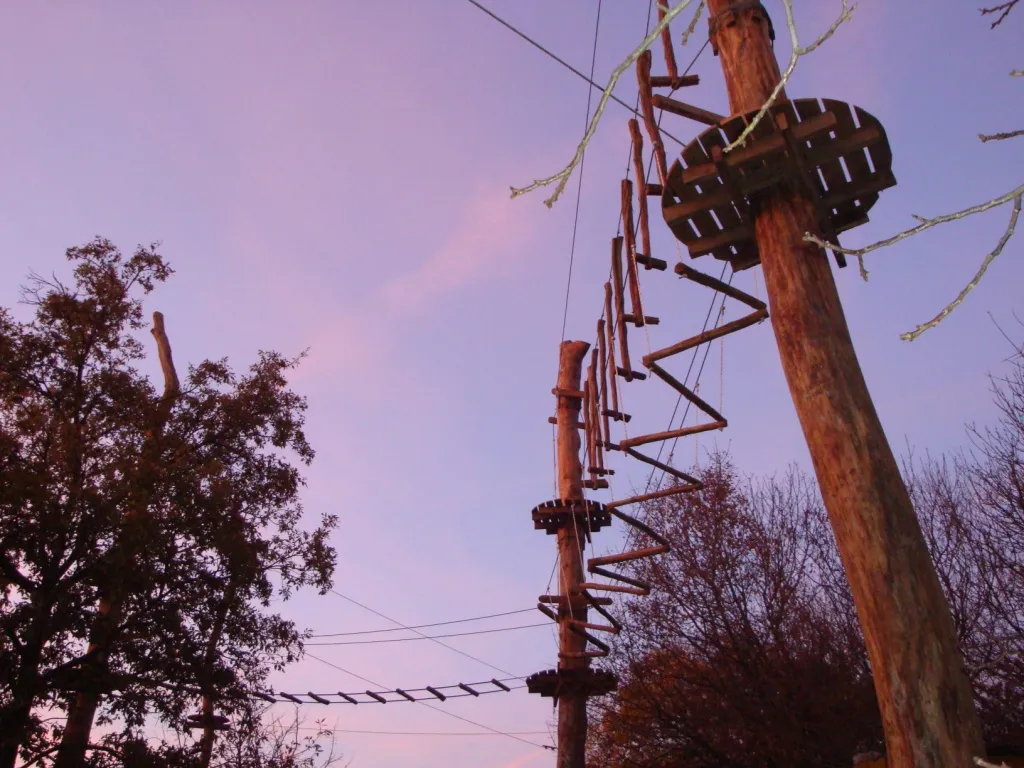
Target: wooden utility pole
[(572, 708), (923, 693)]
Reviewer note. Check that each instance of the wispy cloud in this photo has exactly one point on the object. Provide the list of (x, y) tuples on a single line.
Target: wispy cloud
[(491, 235)]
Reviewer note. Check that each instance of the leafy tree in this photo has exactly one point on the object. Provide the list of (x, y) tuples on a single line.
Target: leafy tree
[(748, 651), (133, 524)]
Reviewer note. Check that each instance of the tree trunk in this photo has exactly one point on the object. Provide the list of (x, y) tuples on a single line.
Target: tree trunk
[(924, 696)]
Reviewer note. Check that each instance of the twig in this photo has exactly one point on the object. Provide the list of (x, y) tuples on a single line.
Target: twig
[(1000, 136), (1005, 8), (1015, 195), (562, 177), (845, 15)]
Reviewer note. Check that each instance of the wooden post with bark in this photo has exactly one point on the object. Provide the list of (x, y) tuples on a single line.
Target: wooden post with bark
[(923, 693), (572, 708)]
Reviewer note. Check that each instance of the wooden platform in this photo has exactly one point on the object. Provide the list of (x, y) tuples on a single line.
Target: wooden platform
[(835, 153), (553, 683), (591, 516)]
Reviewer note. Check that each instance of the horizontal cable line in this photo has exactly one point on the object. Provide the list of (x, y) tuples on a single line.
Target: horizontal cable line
[(425, 626), (423, 733), (430, 637), (567, 65), (438, 642)]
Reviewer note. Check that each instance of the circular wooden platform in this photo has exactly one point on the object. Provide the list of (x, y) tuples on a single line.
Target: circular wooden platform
[(552, 515), (553, 683), (835, 153)]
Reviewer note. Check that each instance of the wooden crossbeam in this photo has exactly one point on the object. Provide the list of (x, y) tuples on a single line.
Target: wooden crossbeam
[(658, 437), (687, 110), (675, 83), (660, 494), (714, 333), (686, 392)]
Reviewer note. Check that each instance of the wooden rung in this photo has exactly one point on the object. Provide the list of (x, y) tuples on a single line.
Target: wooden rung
[(617, 415), (625, 557), (655, 463), (501, 685), (597, 627), (655, 190), (379, 698), (467, 689), (610, 446), (713, 282), (650, 262), (658, 437), (616, 588), (629, 375), (435, 692), (595, 485), (685, 391), (348, 698), (664, 81), (266, 696), (600, 471), (553, 420), (317, 699), (562, 600), (403, 694), (288, 696), (567, 393), (714, 333), (674, 491), (687, 110), (647, 319)]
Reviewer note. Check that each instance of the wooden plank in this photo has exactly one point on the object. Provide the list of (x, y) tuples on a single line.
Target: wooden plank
[(666, 44), (613, 384), (724, 238), (620, 303), (686, 110), (813, 126), (655, 190), (603, 366), (436, 693), (651, 263), (658, 437), (718, 285), (636, 304), (657, 464), (686, 392), (711, 335), (376, 697), (702, 221), (404, 695), (648, 320), (643, 77), (641, 192), (663, 493), (830, 169), (685, 81), (873, 183)]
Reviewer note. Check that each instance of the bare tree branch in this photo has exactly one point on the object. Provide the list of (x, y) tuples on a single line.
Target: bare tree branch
[(845, 15), (986, 137), (562, 177), (1014, 195), (1003, 10)]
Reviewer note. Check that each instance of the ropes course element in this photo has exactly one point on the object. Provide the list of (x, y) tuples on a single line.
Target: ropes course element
[(434, 693), (602, 400)]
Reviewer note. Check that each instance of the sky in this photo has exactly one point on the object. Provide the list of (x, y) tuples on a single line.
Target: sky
[(334, 176)]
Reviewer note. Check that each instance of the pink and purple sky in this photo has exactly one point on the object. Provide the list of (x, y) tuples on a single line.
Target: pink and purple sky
[(335, 176)]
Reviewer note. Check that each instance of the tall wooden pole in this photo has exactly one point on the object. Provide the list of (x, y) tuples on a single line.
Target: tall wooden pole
[(572, 707), (923, 693)]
